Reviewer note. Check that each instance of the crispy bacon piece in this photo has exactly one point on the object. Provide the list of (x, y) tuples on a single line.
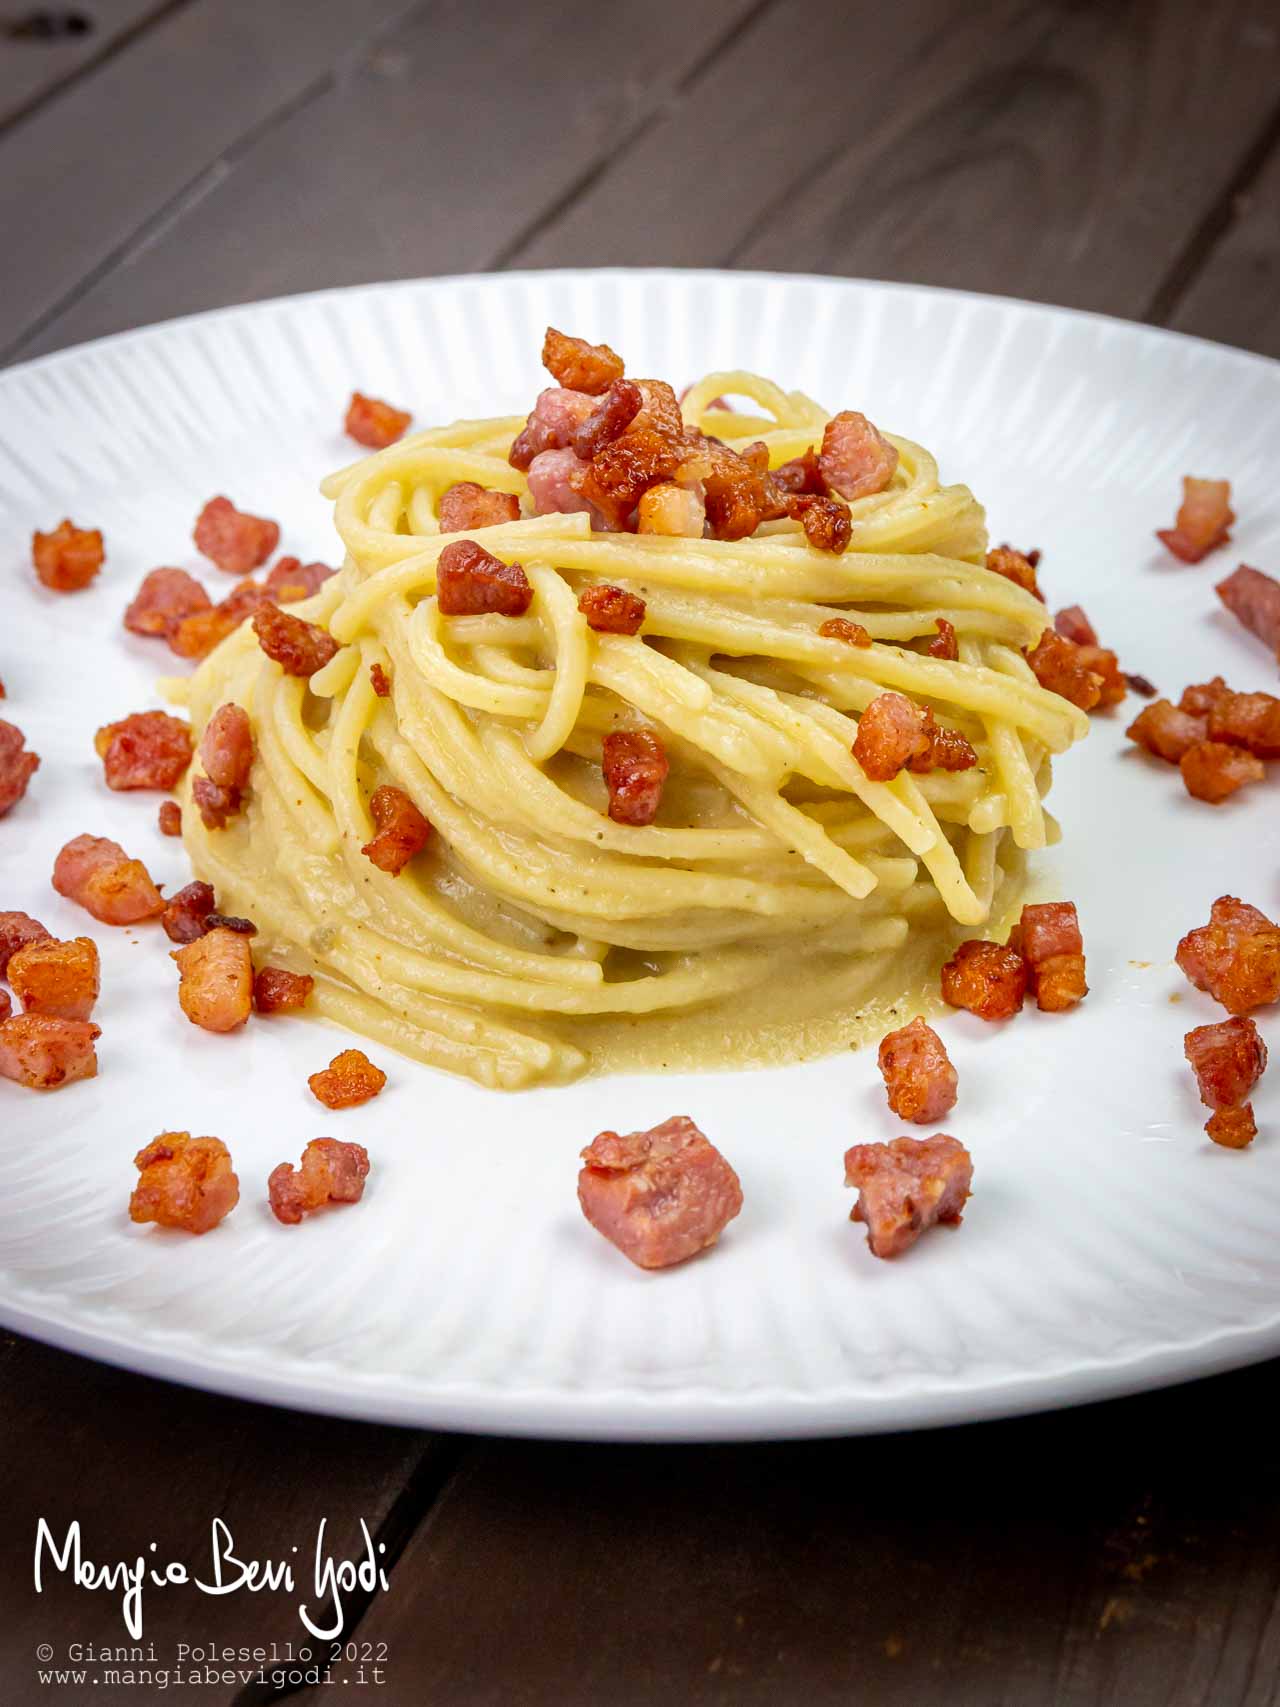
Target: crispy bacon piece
[(290, 579), (1106, 666), (842, 628), (987, 978), (556, 415), (827, 523), (16, 931), (226, 747), (215, 979), (402, 830), (1063, 669), (1203, 521), (215, 805), (945, 646), (57, 979), (147, 749), (6, 1005), (737, 498), (350, 1079), (635, 766), (578, 365), (165, 597), (1049, 941), (918, 1076), (374, 424), (1235, 957), (855, 460), (892, 731), (553, 478), (620, 473), (184, 1182), (802, 474), (67, 559), (236, 541), (1073, 625), (1250, 720), (610, 610), (611, 417), (1201, 697), (661, 414), (380, 681), (1166, 731), (331, 1172), (660, 1196), (186, 914), (99, 876), (948, 750), (17, 766), (906, 1187), (229, 922), (1227, 1059), (677, 512), (300, 648), (1213, 771), (277, 991), (1015, 566), (1254, 599), (471, 581), (170, 818), (44, 1053), (468, 505), (195, 636)]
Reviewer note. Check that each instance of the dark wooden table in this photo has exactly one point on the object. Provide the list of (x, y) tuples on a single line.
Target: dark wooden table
[(1121, 156)]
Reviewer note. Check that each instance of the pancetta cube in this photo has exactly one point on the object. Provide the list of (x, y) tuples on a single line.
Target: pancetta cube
[(661, 1195), (906, 1187)]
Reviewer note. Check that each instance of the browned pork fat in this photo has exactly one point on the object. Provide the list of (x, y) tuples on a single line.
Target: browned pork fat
[(184, 1182), (96, 873), (918, 1076), (660, 1196), (906, 1187), (331, 1172), (1254, 599), (45, 1053), (1235, 957), (1228, 1059)]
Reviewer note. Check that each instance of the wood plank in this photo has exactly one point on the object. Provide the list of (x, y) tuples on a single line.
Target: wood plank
[(430, 156), (1045, 149), (90, 172), (137, 1461), (1121, 1556), (1235, 295), (32, 68)]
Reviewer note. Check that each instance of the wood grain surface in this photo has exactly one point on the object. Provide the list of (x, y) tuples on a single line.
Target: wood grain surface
[(1121, 155)]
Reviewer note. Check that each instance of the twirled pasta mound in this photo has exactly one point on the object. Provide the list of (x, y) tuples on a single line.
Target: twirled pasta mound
[(780, 895)]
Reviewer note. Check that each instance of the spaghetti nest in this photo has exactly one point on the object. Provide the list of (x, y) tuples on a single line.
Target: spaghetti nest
[(778, 893)]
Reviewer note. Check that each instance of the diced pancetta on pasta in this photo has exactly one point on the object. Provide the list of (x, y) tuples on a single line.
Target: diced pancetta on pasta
[(827, 523), (471, 581), (373, 423), (226, 747), (67, 559), (402, 831), (467, 504), (856, 460), (675, 511), (17, 766), (1213, 771), (147, 749), (1235, 957), (186, 914), (635, 767), (184, 1182), (944, 644), (1016, 566), (919, 1079), (99, 876), (907, 1186), (556, 415), (1048, 938), (1073, 625), (235, 541), (57, 979), (331, 1172), (1064, 669), (16, 930), (380, 681), (299, 647), (215, 971), (1254, 599), (611, 610), (1228, 1059), (349, 1080), (1203, 521), (610, 418), (44, 1053), (891, 732), (279, 991), (1167, 731), (842, 628), (290, 579), (578, 365), (659, 1196), (989, 979), (1249, 720), (169, 818), (163, 599)]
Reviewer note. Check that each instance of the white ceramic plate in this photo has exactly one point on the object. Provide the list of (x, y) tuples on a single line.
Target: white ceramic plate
[(1108, 1246)]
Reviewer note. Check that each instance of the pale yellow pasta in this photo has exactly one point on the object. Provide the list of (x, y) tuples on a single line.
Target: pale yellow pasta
[(781, 900)]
